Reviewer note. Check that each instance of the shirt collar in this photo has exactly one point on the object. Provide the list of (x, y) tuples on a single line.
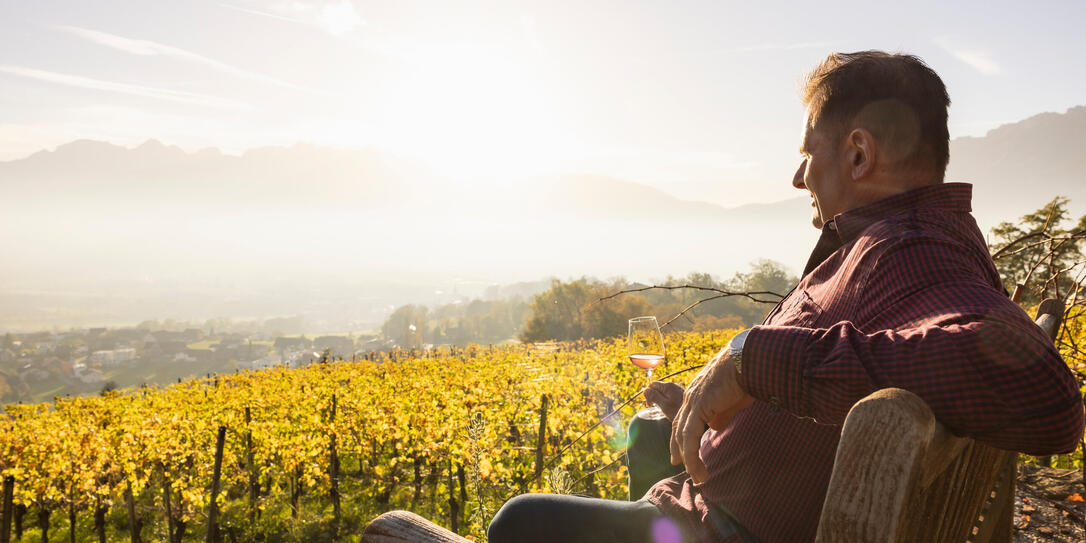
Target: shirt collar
[(847, 226), (952, 197)]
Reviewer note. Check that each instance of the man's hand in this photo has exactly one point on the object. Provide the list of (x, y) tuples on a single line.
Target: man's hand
[(714, 398), (667, 396)]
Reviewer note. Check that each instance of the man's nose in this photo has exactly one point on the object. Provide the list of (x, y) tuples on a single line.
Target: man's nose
[(797, 180)]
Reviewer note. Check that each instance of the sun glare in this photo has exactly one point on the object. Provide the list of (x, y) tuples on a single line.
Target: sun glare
[(474, 112)]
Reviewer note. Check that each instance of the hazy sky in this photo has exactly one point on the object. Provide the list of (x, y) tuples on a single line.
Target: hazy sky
[(697, 98)]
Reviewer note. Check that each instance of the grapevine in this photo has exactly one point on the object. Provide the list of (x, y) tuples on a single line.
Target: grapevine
[(451, 432)]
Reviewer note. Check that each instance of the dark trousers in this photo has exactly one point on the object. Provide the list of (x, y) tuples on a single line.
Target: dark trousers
[(559, 518), (553, 518)]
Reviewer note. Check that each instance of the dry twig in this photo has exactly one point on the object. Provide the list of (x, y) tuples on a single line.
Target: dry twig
[(604, 418), (759, 296)]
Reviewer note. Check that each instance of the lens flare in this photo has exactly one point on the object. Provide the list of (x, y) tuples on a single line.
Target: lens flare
[(664, 530)]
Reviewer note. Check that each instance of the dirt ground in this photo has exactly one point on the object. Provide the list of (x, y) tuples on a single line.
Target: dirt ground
[(1042, 510)]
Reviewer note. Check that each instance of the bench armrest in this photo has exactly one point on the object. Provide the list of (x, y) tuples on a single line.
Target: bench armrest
[(900, 476), (407, 527)]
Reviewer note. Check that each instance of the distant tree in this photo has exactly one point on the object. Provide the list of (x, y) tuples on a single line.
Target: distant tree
[(107, 387), (611, 318), (405, 326), (591, 309), (705, 323), (556, 313), (150, 325), (1038, 250), (765, 276)]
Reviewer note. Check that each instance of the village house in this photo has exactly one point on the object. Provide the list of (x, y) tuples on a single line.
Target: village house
[(338, 345), (268, 361), (92, 377), (115, 357), (284, 345), (184, 357)]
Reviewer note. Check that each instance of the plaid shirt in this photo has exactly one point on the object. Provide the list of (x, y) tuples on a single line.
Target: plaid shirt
[(898, 293)]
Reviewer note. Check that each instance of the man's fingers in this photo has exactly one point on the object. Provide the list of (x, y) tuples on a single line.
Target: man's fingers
[(676, 440), (668, 405), (673, 444), (653, 396), (691, 445), (649, 394), (722, 420), (686, 431)]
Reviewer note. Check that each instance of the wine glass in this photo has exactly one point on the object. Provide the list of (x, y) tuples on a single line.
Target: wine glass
[(646, 350)]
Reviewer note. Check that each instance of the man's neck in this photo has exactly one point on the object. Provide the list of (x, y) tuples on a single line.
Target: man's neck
[(887, 185)]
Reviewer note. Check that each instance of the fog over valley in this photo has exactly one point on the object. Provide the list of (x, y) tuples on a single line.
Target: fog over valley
[(99, 234)]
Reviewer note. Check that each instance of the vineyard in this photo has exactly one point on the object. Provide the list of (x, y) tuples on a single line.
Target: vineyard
[(313, 453)]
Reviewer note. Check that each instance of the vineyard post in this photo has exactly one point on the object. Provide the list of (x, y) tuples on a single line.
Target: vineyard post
[(100, 519), (432, 480), (133, 522), (43, 522), (461, 478), (213, 513), (167, 503), (1019, 290), (333, 474), (454, 507), (295, 491), (20, 512), (6, 509), (417, 461), (541, 437), (254, 481), (71, 511)]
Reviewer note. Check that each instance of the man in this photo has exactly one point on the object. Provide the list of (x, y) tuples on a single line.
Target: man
[(899, 292)]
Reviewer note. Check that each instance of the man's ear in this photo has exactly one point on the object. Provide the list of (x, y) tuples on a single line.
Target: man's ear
[(861, 151)]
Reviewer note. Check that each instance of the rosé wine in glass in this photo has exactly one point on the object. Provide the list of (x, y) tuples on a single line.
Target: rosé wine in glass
[(646, 361), (646, 351)]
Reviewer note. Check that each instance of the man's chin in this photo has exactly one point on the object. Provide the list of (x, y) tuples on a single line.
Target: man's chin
[(816, 220)]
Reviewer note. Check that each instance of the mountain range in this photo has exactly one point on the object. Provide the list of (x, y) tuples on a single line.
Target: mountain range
[(1018, 167), (186, 233)]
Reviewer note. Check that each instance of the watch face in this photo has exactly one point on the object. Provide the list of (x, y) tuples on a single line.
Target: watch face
[(736, 344)]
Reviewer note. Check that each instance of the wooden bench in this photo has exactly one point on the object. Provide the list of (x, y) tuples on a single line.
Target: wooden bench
[(899, 476)]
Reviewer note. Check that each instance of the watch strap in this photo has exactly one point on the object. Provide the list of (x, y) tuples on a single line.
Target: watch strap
[(735, 350)]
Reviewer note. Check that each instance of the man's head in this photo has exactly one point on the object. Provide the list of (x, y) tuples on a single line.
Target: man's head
[(875, 126)]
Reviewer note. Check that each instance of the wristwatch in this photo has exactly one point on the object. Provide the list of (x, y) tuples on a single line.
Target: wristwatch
[(735, 350)]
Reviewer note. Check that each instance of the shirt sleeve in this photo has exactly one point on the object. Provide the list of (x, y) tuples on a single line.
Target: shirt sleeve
[(978, 361)]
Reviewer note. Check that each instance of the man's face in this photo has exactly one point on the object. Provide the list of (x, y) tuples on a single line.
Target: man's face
[(820, 174)]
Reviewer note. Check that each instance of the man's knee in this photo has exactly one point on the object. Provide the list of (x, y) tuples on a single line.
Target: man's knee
[(508, 524)]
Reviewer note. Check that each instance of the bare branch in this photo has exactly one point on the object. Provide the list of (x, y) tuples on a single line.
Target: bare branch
[(752, 295), (689, 307), (617, 459), (1073, 295), (1047, 238), (554, 459), (755, 296), (998, 254)]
